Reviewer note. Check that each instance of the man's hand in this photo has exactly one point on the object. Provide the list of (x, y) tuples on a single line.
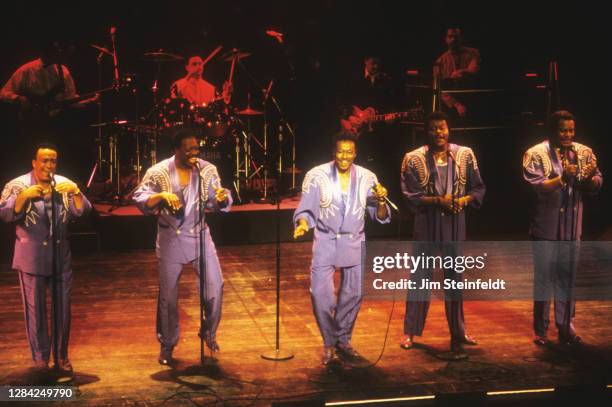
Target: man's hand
[(570, 171), (28, 194), (446, 202), (172, 200), (301, 228), (221, 195), (379, 192), (457, 74), (34, 192), (461, 109), (460, 203), (226, 93), (67, 187), (590, 169)]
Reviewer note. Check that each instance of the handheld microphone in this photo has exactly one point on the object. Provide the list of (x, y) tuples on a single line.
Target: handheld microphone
[(52, 176), (388, 201)]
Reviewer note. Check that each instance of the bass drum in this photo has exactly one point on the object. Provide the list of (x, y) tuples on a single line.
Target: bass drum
[(176, 112), (215, 123)]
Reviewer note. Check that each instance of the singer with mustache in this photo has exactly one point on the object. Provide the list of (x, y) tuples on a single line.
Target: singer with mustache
[(26, 201), (169, 190), (439, 181), (560, 171), (335, 198)]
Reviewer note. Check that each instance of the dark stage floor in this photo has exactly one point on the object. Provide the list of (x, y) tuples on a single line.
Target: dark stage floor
[(114, 350)]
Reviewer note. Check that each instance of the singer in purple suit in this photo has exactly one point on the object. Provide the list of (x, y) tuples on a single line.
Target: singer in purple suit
[(335, 199), (560, 171), (170, 191), (439, 181), (26, 201)]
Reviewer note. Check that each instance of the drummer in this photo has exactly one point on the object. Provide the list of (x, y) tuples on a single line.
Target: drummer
[(195, 89)]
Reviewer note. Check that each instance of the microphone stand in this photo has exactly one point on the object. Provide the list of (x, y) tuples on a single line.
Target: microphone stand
[(201, 260), (572, 188), (55, 270), (277, 354)]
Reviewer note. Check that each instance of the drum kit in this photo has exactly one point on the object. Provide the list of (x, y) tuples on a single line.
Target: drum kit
[(225, 133)]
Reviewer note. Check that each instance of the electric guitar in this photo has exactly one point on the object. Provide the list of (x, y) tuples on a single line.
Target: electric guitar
[(361, 118), (46, 106)]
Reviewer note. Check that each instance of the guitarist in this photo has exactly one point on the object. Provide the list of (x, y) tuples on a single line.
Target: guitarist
[(41, 82), (376, 91), (31, 92)]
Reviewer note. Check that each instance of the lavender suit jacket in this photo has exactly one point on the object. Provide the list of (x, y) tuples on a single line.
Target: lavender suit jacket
[(339, 228), (419, 176), (178, 234), (558, 213), (33, 244)]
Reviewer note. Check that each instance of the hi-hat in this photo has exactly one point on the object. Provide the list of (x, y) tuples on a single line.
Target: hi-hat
[(161, 56), (235, 53), (249, 112)]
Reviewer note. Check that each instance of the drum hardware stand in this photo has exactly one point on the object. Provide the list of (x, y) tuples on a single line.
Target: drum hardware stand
[(285, 125), (238, 170)]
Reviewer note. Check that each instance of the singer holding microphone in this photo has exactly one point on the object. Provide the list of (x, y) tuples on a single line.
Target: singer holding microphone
[(170, 190), (335, 199), (439, 181), (27, 202), (559, 171)]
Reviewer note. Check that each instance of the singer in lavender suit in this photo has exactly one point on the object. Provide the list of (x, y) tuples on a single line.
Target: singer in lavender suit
[(559, 171), (335, 199), (170, 190), (439, 180), (26, 201)]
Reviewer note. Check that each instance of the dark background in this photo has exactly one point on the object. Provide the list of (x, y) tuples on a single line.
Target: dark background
[(326, 42)]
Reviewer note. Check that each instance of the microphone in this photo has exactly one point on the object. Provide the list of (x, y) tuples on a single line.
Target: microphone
[(388, 201), (197, 164), (52, 176)]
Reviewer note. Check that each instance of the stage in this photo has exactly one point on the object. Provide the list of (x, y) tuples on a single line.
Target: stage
[(114, 350)]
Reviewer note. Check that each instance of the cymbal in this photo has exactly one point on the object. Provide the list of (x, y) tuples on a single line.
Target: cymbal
[(111, 123), (249, 112), (231, 54), (161, 56)]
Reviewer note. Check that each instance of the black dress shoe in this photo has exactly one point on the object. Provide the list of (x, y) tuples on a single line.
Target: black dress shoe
[(406, 342), (165, 357), (212, 345), (65, 365), (456, 346), (328, 356), (570, 340), (541, 341), (41, 364), (346, 350), (468, 340)]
